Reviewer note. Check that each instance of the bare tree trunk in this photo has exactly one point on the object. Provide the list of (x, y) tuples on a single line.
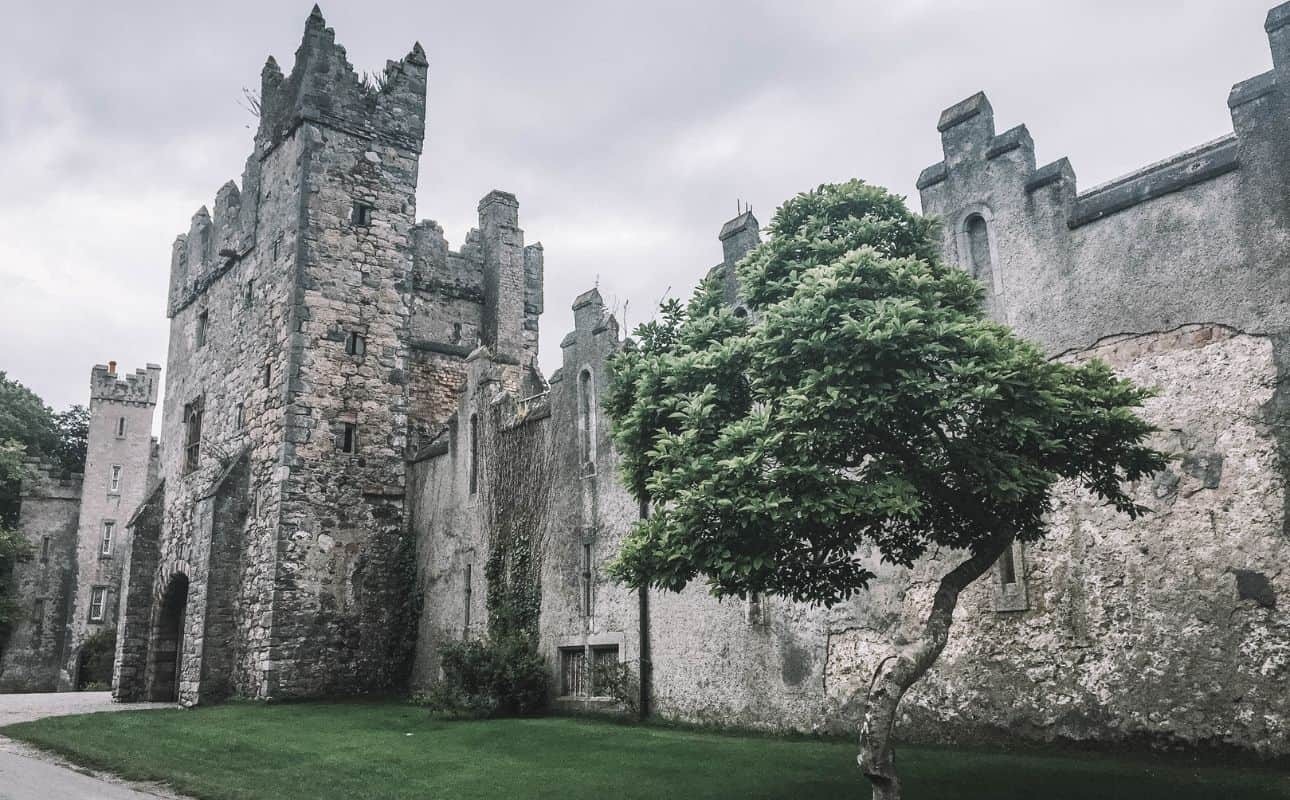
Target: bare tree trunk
[(900, 670)]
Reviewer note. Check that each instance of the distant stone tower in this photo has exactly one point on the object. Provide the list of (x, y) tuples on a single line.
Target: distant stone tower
[(120, 464)]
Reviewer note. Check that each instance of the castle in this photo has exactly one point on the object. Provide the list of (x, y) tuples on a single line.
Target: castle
[(320, 520)]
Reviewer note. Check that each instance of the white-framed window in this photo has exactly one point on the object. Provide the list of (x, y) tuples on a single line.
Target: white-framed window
[(120, 428), (109, 535), (114, 479), (98, 603)]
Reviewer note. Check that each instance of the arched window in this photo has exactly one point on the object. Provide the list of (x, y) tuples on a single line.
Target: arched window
[(980, 261), (586, 418), (474, 453)]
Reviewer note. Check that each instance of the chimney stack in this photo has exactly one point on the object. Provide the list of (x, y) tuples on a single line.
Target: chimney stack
[(111, 367)]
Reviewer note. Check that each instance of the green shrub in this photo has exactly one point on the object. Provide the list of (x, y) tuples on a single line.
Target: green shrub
[(487, 678), (618, 680)]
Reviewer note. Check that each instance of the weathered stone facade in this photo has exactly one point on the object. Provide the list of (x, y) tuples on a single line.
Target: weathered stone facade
[(1166, 630), (331, 363), (43, 586), (76, 527)]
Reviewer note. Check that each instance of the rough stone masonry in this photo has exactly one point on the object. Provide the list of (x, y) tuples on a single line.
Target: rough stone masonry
[(317, 524)]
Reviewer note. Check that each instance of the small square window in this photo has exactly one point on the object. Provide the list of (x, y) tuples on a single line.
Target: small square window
[(98, 603), (355, 345), (349, 438), (361, 215), (202, 319), (114, 480), (109, 533)]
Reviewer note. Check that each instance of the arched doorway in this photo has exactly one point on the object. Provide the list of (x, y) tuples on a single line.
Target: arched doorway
[(168, 640)]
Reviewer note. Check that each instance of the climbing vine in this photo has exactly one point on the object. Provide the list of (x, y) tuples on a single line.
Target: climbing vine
[(518, 479)]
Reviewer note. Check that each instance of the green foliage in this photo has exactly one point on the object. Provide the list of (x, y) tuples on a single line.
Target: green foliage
[(619, 680), (97, 652), (25, 419), (492, 677), (865, 401), (13, 546)]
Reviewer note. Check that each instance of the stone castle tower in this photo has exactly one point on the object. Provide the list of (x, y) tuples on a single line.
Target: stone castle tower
[(77, 527), (315, 327)]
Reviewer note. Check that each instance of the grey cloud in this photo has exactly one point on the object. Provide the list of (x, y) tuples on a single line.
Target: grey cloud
[(627, 130)]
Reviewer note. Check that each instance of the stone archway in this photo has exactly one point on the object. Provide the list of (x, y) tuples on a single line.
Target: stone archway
[(168, 640)]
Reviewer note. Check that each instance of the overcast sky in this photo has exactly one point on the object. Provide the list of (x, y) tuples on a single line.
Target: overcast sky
[(627, 130)]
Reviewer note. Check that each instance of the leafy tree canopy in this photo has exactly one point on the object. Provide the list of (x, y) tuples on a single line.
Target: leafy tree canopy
[(866, 401)]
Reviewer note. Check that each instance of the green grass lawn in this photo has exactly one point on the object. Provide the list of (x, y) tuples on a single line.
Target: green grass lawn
[(390, 750)]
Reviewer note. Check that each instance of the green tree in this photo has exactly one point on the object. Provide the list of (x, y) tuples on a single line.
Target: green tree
[(866, 404), (13, 546)]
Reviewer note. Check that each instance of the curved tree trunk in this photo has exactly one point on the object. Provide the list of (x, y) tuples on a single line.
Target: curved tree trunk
[(900, 670)]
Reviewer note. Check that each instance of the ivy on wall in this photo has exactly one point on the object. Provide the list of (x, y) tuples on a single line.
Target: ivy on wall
[(519, 472)]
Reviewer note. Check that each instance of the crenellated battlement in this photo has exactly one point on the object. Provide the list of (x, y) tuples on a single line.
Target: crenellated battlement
[(43, 477), (1064, 266), (140, 387), (323, 89)]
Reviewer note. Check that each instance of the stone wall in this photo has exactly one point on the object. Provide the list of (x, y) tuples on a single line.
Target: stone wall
[(43, 586)]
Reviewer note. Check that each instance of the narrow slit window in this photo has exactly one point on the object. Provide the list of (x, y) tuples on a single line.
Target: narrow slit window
[(248, 294), (202, 320), (98, 603), (268, 375), (355, 345), (120, 428), (474, 453), (38, 617), (980, 260), (44, 549), (239, 416), (349, 437), (1007, 568), (109, 534), (192, 434), (114, 479), (466, 600), (586, 580), (586, 420)]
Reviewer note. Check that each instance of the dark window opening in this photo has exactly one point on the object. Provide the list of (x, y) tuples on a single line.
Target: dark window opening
[(349, 438), (355, 345), (44, 549), (268, 375), (192, 434), (361, 215), (573, 672), (202, 319), (467, 600), (38, 619), (239, 416), (248, 298), (474, 453), (978, 239), (456, 333), (586, 580), (586, 419), (1007, 567), (120, 428)]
